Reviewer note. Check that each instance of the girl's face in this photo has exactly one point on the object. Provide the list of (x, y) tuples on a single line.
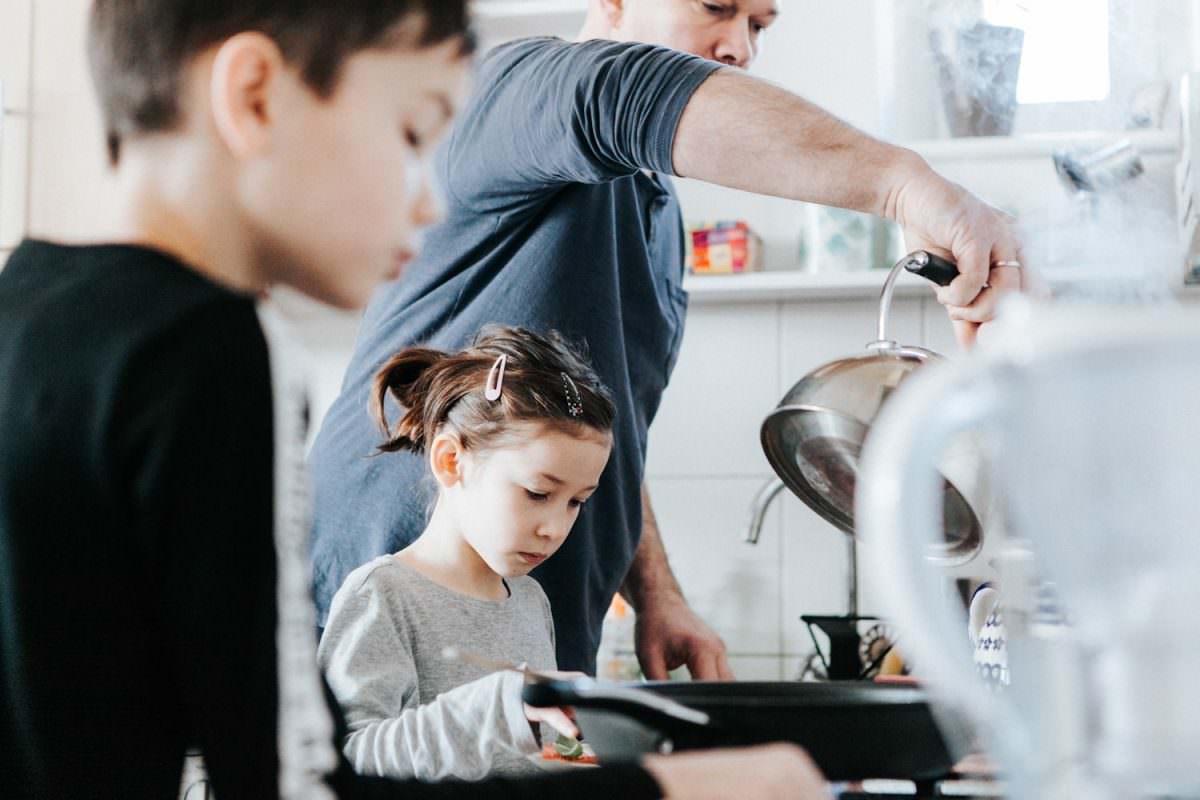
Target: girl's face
[(515, 505)]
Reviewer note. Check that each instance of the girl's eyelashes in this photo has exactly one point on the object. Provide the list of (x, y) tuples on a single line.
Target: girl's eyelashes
[(539, 497)]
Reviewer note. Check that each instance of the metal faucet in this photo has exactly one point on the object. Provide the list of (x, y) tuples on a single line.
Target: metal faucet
[(1102, 169), (1087, 177), (758, 512), (758, 508)]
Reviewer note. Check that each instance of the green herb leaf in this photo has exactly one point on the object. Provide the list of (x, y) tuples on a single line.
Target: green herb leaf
[(568, 746)]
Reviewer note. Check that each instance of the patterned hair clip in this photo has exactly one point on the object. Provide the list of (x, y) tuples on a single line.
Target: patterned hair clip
[(574, 401), (495, 379)]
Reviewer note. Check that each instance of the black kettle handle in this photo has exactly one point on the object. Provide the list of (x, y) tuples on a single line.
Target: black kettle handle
[(932, 267)]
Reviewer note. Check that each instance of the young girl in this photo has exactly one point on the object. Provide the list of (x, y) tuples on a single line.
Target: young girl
[(517, 432)]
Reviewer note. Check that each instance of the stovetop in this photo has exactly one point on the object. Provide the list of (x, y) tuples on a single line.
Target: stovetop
[(966, 788)]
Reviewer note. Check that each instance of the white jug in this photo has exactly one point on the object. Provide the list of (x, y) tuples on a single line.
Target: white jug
[(1093, 419)]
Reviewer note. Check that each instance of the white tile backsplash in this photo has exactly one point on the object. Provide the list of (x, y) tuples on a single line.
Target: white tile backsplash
[(725, 382), (706, 464), (757, 668), (813, 333), (938, 331), (732, 585), (815, 568)]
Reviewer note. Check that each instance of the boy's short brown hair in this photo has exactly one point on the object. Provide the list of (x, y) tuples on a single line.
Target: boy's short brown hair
[(139, 48)]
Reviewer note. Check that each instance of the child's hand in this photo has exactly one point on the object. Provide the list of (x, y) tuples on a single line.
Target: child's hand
[(561, 719)]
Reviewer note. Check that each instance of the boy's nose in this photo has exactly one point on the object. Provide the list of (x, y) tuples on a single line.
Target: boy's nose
[(428, 208)]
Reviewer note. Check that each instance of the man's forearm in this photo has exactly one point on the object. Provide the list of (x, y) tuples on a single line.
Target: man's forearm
[(650, 573), (749, 134)]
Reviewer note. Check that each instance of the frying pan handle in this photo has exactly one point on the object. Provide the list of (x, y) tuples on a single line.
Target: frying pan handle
[(643, 706), (931, 267)]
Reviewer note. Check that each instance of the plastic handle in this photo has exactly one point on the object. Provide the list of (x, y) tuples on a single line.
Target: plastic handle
[(643, 706), (931, 267), (898, 508)]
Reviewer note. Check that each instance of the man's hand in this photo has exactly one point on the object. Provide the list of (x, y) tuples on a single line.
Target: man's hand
[(669, 635), (944, 218), (769, 772)]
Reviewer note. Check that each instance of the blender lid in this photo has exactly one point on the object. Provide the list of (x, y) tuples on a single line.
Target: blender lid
[(815, 451)]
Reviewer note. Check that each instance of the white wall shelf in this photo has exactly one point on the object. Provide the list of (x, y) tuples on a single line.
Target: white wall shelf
[(795, 284), (1146, 142)]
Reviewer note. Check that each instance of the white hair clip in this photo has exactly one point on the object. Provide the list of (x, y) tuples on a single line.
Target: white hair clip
[(574, 401), (495, 379)]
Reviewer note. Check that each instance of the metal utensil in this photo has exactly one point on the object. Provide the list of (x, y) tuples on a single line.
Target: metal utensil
[(495, 664), (598, 692), (814, 436)]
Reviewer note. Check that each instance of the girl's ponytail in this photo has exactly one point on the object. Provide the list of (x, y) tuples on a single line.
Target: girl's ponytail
[(407, 377)]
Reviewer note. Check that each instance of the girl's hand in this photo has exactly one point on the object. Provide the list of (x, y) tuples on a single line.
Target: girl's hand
[(561, 719)]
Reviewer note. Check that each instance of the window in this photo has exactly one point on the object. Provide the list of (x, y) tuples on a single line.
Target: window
[(1065, 58)]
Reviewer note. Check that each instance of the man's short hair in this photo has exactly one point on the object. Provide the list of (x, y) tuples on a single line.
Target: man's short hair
[(140, 48)]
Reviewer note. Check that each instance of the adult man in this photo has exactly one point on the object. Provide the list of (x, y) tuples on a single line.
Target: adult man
[(558, 217)]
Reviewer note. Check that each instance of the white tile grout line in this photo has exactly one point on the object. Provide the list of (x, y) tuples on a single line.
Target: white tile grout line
[(779, 526)]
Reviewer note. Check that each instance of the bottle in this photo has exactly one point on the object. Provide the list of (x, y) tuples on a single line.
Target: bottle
[(616, 659)]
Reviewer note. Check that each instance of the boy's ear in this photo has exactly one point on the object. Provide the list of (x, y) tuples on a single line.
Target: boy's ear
[(245, 73), (446, 459)]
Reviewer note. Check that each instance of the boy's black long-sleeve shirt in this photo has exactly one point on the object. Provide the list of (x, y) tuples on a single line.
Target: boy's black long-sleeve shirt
[(139, 570)]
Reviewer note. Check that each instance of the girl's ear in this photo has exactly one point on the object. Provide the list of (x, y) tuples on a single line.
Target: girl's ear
[(446, 459)]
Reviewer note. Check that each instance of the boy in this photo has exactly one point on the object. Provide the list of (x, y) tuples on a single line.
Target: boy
[(153, 591)]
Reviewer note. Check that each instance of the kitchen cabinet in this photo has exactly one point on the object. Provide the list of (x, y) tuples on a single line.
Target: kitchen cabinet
[(14, 175), (70, 185), (16, 27), (15, 49)]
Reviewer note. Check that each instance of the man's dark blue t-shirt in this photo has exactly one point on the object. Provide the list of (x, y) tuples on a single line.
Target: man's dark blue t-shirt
[(555, 219)]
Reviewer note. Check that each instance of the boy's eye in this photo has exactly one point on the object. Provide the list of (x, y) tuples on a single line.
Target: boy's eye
[(715, 8), (577, 503)]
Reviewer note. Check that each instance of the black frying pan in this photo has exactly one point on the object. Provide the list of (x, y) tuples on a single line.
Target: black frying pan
[(851, 729)]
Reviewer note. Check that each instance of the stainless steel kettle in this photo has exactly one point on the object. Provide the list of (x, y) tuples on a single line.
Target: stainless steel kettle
[(814, 436)]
